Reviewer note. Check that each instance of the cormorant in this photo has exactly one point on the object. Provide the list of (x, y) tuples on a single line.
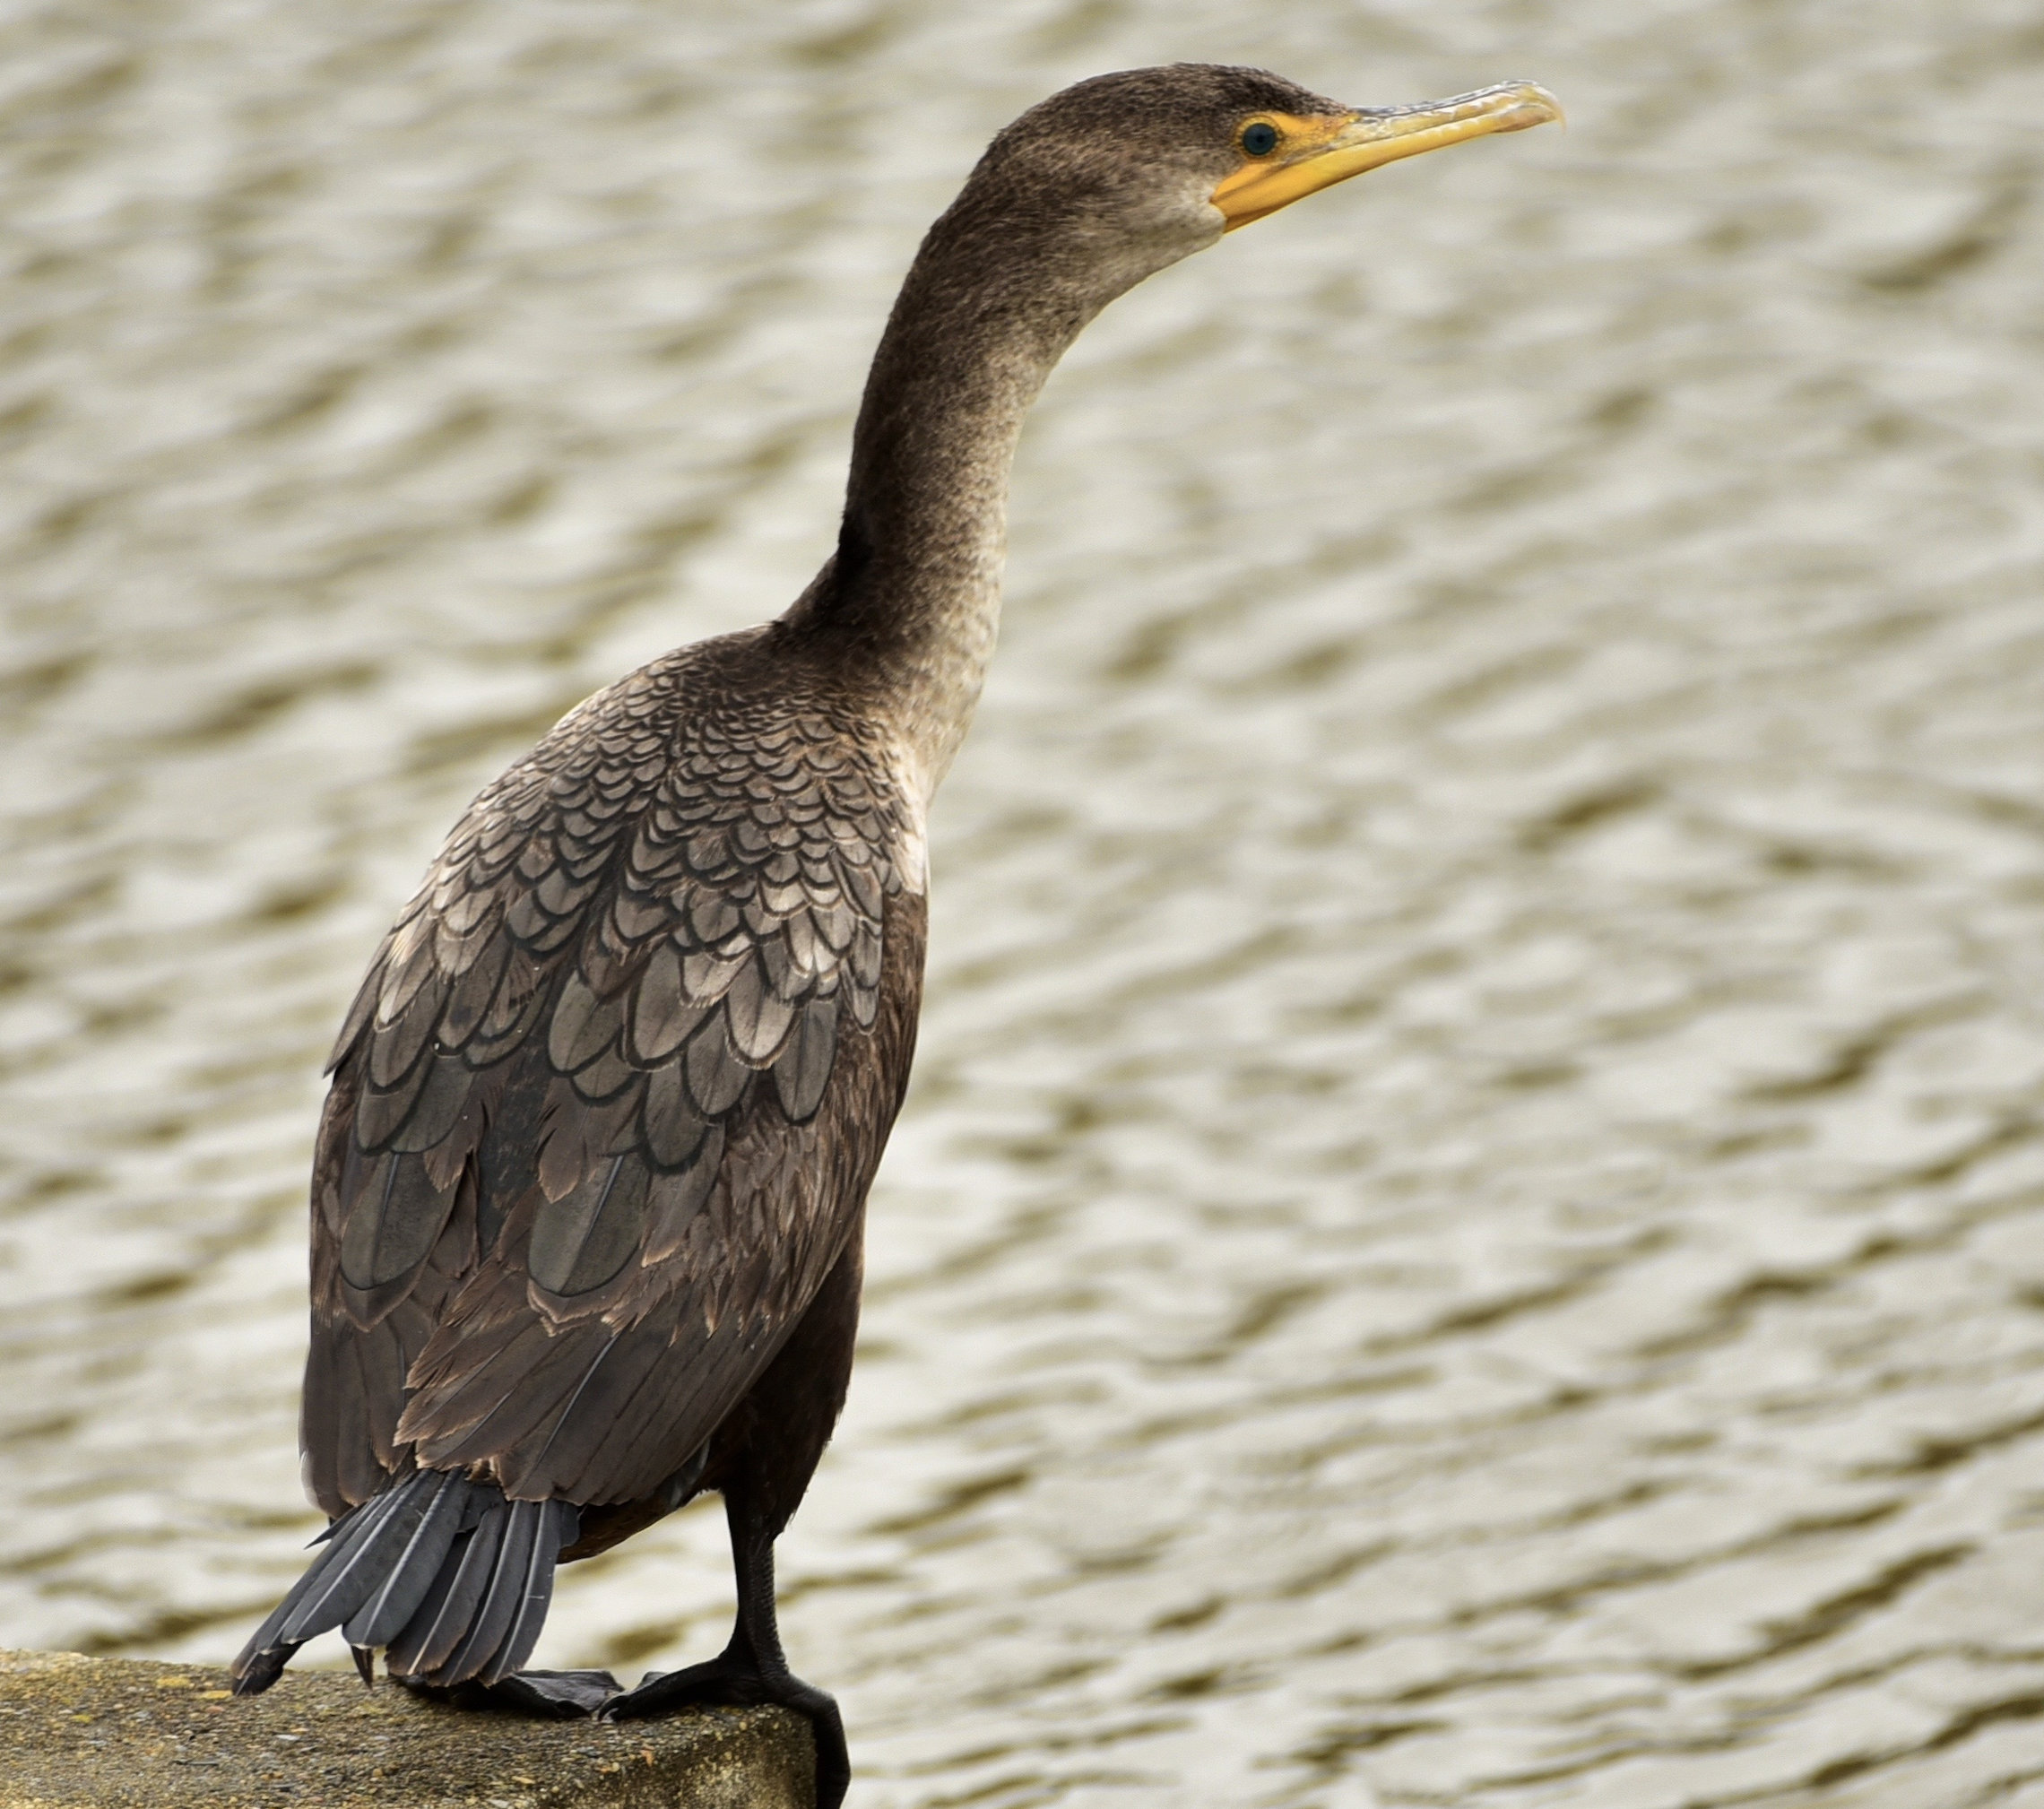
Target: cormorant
[(588, 1198)]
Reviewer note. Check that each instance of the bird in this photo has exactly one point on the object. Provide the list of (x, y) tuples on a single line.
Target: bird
[(589, 1186)]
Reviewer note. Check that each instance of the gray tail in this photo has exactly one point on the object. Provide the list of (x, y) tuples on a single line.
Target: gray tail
[(447, 1575)]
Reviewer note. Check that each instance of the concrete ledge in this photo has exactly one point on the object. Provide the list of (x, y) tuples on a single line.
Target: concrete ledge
[(117, 1734)]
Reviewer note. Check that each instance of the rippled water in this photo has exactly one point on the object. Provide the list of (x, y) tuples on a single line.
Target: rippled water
[(1468, 1229)]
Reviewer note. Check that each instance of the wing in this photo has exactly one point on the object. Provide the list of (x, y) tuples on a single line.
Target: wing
[(609, 1100)]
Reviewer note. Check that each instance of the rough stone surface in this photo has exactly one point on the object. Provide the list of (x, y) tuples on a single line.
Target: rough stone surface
[(118, 1733)]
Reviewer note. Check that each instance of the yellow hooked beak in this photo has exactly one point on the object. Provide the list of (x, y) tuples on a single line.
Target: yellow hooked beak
[(1308, 152)]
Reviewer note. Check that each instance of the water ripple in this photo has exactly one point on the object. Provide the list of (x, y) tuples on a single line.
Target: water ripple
[(1467, 1227)]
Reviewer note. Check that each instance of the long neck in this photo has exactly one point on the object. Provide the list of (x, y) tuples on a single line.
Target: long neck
[(911, 602)]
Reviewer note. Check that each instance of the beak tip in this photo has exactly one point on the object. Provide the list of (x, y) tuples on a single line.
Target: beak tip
[(1539, 105)]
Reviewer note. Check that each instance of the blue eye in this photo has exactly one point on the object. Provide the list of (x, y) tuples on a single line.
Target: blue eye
[(1259, 140)]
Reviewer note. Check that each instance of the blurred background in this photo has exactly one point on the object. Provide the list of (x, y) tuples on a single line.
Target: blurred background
[(1467, 1230)]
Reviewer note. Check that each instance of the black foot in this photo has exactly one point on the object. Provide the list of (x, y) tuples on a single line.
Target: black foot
[(722, 1682), (551, 1695)]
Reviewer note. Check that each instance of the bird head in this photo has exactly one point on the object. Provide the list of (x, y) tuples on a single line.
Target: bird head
[(1126, 173)]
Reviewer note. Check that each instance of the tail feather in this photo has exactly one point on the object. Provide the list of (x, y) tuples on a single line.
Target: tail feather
[(381, 1618), (454, 1579), (347, 1574), (423, 1648), (555, 1532), (478, 1652), (255, 1671), (407, 1652), (269, 1650)]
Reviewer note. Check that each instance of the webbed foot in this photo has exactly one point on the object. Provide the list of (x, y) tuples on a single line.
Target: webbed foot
[(724, 1682), (551, 1695)]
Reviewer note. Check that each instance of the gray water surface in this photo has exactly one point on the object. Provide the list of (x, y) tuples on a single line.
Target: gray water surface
[(1467, 1230)]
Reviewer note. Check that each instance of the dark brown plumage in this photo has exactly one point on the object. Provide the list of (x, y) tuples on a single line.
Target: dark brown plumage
[(583, 1114), (590, 1185)]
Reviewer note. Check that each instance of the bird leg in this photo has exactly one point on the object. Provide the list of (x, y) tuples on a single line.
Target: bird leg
[(751, 1669)]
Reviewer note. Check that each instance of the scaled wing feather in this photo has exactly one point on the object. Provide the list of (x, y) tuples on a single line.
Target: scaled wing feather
[(607, 1103)]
